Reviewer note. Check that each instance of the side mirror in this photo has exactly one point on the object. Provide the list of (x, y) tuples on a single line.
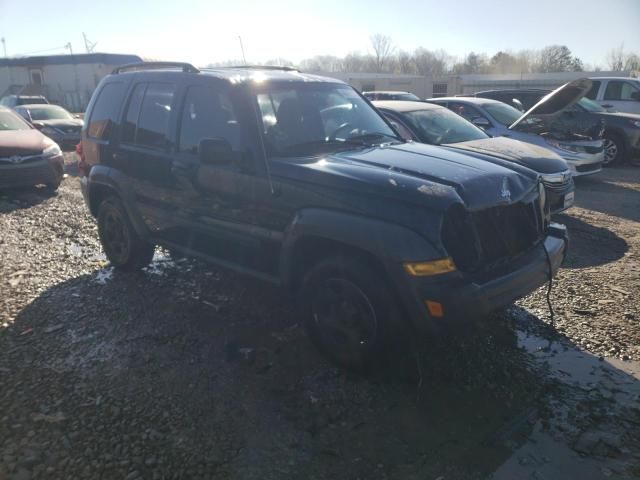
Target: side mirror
[(77, 115), (636, 96), (481, 122), (215, 151)]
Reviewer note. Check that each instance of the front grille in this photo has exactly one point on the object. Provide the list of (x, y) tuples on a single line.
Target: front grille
[(6, 152), (589, 167), (597, 149), (32, 175), (478, 241), (557, 187)]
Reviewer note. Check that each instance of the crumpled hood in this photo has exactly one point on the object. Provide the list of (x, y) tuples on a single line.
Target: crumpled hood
[(537, 158), (417, 172), (22, 142)]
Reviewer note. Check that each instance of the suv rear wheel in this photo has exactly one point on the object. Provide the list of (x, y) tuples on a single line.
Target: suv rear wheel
[(124, 248), (347, 310)]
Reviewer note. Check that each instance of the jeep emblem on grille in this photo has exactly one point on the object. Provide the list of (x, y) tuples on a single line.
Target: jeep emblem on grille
[(505, 193)]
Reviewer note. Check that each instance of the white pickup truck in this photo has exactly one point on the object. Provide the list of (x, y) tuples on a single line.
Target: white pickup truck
[(620, 94)]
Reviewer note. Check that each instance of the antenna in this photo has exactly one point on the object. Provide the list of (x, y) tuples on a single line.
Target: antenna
[(88, 45), (242, 50)]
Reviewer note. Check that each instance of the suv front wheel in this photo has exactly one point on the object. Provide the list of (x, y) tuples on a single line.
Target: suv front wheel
[(347, 310), (124, 248)]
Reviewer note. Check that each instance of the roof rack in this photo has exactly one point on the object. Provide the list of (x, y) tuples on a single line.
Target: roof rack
[(186, 67), (261, 67)]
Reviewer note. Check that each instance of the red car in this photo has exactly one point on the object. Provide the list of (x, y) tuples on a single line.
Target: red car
[(27, 157)]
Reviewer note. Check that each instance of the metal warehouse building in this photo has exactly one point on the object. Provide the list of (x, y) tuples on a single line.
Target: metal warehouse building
[(67, 80)]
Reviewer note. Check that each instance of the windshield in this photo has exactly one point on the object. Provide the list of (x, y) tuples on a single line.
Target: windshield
[(11, 121), (502, 113), (439, 125), (590, 105), (49, 113), (310, 119)]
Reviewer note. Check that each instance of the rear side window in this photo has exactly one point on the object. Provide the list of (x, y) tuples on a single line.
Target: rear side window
[(617, 90), (147, 119), (133, 111), (593, 92), (105, 111)]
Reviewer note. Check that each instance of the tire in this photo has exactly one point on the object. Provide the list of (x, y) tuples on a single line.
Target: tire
[(124, 248), (348, 311), (614, 151), (52, 187)]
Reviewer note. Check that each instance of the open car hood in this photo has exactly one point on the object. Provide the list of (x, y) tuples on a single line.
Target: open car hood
[(557, 101)]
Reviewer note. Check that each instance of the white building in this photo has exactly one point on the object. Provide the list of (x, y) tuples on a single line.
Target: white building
[(429, 86), (67, 80)]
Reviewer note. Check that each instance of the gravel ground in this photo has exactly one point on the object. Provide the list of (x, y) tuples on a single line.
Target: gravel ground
[(184, 371)]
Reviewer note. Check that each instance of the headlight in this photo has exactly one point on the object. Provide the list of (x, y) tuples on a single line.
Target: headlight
[(542, 195), (52, 151), (567, 147), (635, 123)]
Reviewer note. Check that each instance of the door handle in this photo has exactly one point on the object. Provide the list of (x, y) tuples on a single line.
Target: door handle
[(607, 105)]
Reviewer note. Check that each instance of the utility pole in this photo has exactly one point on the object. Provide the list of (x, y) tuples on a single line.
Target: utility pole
[(68, 45), (88, 45), (4, 46), (242, 50)]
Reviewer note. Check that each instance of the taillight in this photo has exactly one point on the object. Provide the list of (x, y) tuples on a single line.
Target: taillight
[(82, 165)]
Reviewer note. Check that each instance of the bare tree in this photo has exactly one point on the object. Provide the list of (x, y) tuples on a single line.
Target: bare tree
[(382, 50), (615, 58)]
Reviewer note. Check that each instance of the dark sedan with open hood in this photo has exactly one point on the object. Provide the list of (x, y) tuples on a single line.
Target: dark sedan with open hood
[(435, 125), (27, 157), (55, 122)]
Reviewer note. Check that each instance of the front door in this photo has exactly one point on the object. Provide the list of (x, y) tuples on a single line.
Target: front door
[(220, 198), (622, 96)]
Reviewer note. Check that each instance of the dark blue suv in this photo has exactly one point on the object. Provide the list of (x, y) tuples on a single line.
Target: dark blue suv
[(298, 180)]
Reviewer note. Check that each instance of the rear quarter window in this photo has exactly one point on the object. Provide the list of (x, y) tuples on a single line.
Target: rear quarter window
[(104, 113)]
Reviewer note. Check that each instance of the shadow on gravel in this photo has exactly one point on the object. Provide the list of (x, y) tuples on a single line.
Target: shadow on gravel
[(184, 371), (19, 198), (600, 193), (590, 245)]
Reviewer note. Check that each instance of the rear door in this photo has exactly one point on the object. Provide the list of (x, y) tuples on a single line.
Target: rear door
[(144, 153)]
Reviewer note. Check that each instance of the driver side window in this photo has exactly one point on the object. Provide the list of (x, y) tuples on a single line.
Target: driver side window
[(468, 112), (207, 113)]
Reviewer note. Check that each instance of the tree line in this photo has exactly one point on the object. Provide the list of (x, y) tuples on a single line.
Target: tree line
[(385, 57)]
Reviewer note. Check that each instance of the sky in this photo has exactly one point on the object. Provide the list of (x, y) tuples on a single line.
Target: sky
[(207, 31)]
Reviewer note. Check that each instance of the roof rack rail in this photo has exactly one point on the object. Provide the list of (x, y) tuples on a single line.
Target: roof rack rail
[(186, 67), (261, 67)]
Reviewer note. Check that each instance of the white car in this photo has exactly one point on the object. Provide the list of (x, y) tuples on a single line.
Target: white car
[(620, 94)]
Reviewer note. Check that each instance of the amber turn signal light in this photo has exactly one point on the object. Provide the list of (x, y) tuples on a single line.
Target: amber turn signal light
[(433, 267), (435, 308)]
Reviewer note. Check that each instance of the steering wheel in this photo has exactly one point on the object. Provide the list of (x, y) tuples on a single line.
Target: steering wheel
[(440, 137), (335, 133)]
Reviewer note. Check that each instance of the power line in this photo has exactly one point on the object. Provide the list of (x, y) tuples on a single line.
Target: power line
[(42, 51)]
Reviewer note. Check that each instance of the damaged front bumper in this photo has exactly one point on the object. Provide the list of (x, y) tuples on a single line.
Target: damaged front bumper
[(466, 298)]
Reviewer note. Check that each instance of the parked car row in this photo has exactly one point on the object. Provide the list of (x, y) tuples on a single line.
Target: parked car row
[(381, 219)]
